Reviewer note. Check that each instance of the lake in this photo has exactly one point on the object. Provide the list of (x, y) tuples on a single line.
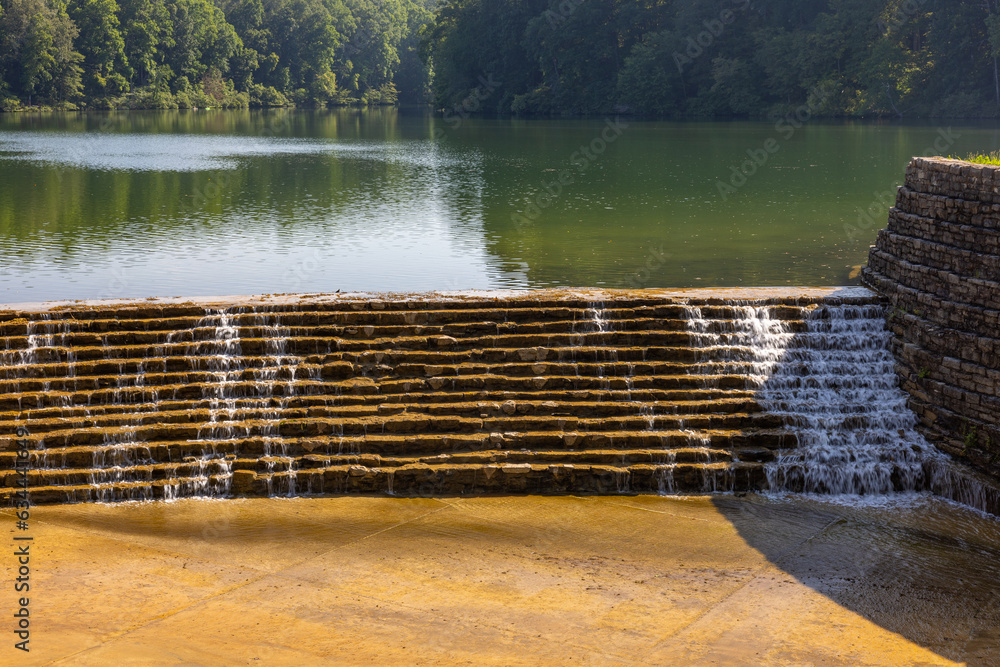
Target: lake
[(200, 203)]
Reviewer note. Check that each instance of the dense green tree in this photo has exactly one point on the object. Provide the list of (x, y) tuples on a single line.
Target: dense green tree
[(189, 52), (413, 77), (371, 51), (477, 52), (579, 49), (762, 58), (38, 56), (146, 30), (202, 39), (726, 57), (101, 45), (650, 79)]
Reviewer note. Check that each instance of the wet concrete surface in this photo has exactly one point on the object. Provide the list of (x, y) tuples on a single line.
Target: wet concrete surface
[(508, 581)]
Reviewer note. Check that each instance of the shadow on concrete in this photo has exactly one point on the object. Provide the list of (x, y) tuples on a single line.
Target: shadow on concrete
[(929, 572), (918, 566)]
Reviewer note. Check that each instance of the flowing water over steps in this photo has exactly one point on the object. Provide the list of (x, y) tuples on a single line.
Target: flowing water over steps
[(540, 393)]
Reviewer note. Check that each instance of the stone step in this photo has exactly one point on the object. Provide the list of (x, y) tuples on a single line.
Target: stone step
[(32, 395), (202, 424), (174, 319), (697, 455), (508, 361), (140, 472), (299, 407), (395, 445), (421, 479), (24, 396), (114, 400), (460, 479), (200, 336), (191, 467), (284, 380), (16, 351), (304, 346), (442, 404), (213, 486), (285, 369)]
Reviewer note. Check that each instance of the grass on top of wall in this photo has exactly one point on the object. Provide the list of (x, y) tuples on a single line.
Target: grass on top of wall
[(982, 158)]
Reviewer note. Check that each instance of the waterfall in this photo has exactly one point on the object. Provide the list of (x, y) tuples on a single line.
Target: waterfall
[(751, 343), (836, 387), (713, 396), (598, 323), (833, 384), (277, 363)]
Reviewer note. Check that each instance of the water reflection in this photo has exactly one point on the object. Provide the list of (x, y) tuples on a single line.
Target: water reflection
[(202, 203), (159, 214), (142, 152)]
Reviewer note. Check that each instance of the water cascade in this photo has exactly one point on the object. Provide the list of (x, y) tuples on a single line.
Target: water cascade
[(832, 383), (632, 392)]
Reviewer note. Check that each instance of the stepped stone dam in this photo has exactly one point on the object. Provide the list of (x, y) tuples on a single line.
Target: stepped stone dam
[(575, 391)]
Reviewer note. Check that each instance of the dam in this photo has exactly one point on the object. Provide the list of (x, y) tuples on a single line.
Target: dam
[(577, 391)]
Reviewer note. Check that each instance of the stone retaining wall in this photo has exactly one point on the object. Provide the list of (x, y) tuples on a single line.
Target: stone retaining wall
[(938, 265)]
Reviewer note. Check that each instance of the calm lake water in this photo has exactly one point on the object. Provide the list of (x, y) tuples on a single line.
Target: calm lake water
[(199, 203)]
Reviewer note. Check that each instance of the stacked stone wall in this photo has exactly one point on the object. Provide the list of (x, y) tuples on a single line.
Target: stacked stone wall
[(938, 265)]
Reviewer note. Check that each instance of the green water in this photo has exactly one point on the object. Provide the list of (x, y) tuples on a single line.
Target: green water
[(241, 202)]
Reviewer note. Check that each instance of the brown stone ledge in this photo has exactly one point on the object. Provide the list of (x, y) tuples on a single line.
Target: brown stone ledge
[(960, 436), (965, 237), (460, 299), (943, 341), (938, 256), (948, 209), (954, 178), (972, 319), (974, 388), (947, 286)]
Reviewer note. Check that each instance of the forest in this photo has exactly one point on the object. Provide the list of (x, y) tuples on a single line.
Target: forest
[(157, 54), (719, 58), (656, 58)]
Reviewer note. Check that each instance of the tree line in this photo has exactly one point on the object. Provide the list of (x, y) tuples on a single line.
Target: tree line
[(710, 58), (200, 53), (662, 58)]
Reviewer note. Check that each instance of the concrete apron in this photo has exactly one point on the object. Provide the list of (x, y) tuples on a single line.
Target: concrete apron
[(508, 581)]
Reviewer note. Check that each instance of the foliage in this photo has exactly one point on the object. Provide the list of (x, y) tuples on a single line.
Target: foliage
[(759, 58), (163, 54), (982, 158), (666, 58)]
